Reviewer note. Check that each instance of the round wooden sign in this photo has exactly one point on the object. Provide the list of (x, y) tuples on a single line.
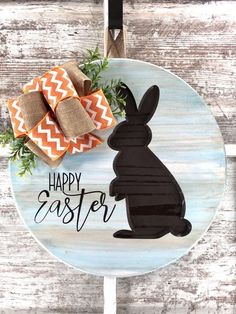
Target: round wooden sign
[(69, 209)]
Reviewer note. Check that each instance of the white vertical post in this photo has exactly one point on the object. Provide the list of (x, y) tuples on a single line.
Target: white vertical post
[(230, 150), (105, 12), (109, 295)]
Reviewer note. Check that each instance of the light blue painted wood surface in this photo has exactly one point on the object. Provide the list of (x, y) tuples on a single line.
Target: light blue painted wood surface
[(185, 137)]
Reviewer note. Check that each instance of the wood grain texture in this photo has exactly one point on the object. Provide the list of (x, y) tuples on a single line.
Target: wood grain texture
[(194, 39)]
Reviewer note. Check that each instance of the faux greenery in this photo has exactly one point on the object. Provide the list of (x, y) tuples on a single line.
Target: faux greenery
[(93, 70), (18, 151)]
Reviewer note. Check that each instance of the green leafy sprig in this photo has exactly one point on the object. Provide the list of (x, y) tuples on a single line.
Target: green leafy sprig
[(18, 150), (93, 69), (93, 65), (115, 99)]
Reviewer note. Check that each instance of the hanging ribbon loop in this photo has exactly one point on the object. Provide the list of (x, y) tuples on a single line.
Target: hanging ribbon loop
[(114, 30)]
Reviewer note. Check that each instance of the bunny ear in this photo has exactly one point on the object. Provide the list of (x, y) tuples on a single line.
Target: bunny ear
[(149, 103), (130, 107)]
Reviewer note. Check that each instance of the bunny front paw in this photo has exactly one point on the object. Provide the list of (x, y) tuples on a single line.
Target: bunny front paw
[(114, 188), (117, 189), (119, 197)]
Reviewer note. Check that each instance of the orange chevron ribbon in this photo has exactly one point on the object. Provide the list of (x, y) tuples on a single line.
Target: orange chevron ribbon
[(48, 136), (17, 121), (33, 86), (56, 86), (99, 110), (83, 143)]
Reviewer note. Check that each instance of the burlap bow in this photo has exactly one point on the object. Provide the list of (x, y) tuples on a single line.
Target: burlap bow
[(57, 113)]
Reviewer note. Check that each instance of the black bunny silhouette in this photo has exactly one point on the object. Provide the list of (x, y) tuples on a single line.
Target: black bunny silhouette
[(155, 202)]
